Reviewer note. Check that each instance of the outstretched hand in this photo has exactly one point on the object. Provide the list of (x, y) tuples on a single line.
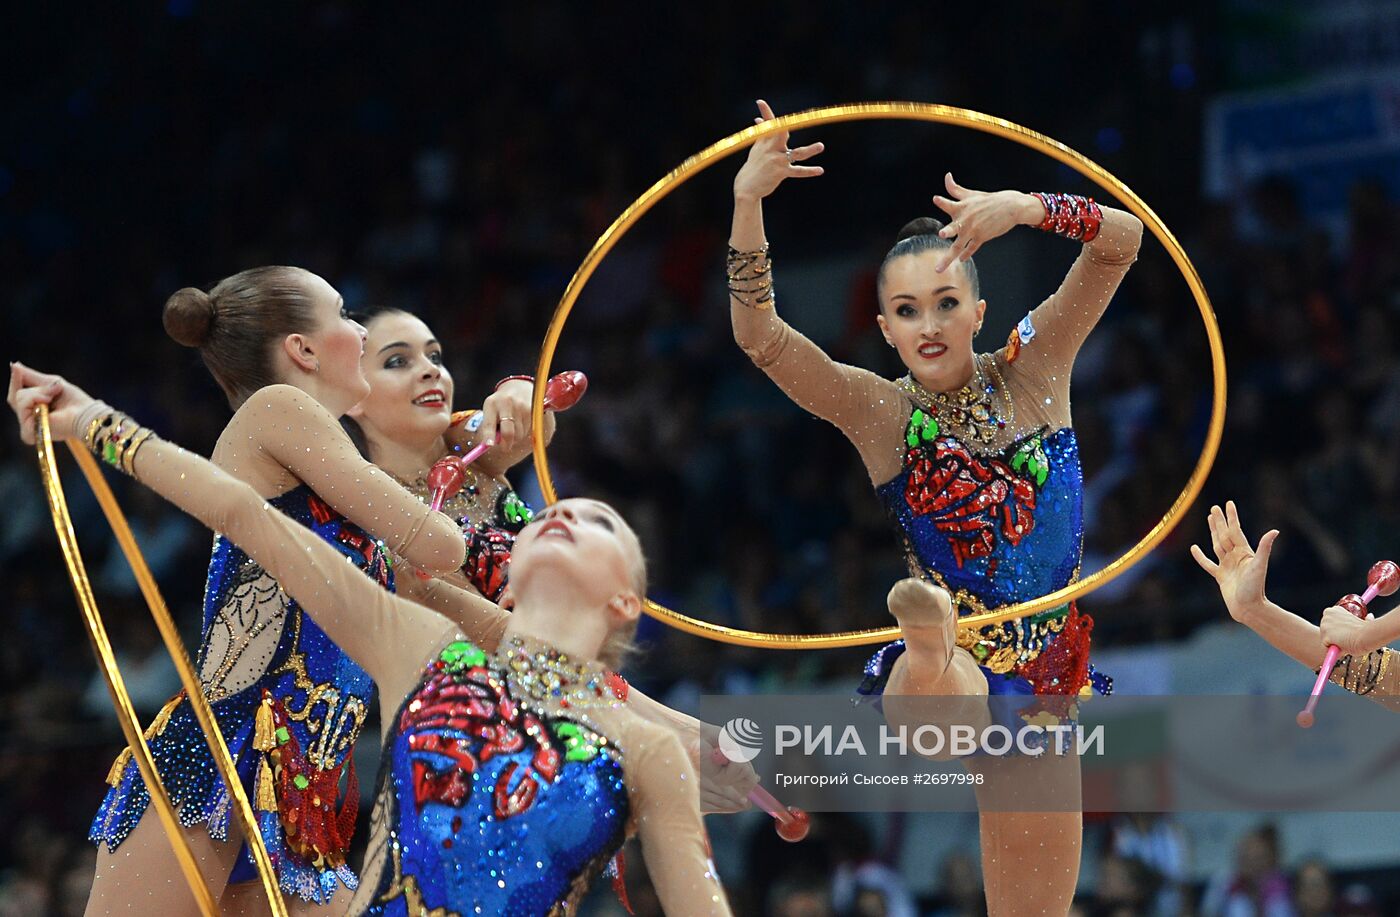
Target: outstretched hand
[(980, 216), (770, 162), (1239, 570), (30, 388)]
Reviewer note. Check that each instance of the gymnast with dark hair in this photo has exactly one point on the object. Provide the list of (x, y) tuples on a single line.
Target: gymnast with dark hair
[(972, 454)]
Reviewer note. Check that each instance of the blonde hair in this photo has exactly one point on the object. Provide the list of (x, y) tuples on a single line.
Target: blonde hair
[(621, 644)]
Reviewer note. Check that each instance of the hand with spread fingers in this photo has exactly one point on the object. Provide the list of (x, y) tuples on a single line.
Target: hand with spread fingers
[(977, 217), (771, 161), (1239, 570)]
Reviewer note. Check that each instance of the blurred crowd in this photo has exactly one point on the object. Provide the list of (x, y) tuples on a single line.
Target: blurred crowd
[(462, 170)]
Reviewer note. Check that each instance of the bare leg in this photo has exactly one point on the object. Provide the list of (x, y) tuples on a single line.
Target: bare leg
[(1030, 860), (142, 879)]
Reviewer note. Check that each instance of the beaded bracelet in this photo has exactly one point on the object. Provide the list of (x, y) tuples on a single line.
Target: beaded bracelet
[(115, 438), (751, 277), (1070, 215)]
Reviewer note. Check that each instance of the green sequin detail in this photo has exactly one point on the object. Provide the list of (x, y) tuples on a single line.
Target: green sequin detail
[(109, 453), (1030, 460), (301, 782), (515, 510), (922, 428), (283, 736), (576, 747), (460, 655)]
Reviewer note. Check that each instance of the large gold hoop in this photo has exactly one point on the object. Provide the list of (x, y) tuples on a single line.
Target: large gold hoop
[(905, 111), (107, 663)]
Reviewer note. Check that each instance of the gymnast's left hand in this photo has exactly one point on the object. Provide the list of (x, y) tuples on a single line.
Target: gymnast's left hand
[(30, 388), (1343, 629), (505, 415), (980, 216)]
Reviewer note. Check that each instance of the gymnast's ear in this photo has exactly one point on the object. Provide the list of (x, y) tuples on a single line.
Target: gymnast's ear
[(624, 608), (298, 349)]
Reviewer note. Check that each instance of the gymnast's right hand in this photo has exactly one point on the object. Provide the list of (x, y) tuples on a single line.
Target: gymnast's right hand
[(1241, 570), (30, 388), (770, 161)]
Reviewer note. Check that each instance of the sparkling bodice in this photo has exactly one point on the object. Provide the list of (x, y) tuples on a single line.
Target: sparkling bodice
[(993, 528), (256, 637), (499, 792)]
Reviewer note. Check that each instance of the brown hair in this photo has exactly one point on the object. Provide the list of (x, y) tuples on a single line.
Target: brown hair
[(238, 324), (921, 234)]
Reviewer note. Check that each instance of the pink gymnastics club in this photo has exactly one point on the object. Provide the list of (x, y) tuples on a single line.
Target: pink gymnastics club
[(561, 393), (1383, 579), (790, 822), (447, 474)]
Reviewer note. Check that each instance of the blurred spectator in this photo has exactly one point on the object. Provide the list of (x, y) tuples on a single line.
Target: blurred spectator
[(1126, 888), (1255, 887), (960, 888), (1158, 843), (801, 895), (1314, 893)]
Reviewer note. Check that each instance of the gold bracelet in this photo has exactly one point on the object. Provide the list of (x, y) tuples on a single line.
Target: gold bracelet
[(137, 441), (90, 435), (115, 437), (751, 277)]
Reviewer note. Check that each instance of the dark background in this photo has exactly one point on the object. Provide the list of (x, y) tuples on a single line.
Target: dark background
[(460, 163)]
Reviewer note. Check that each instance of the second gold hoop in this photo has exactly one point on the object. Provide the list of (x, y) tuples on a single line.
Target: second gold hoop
[(905, 111)]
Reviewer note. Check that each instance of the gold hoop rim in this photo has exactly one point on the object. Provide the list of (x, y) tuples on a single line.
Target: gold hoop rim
[(938, 114), (174, 645)]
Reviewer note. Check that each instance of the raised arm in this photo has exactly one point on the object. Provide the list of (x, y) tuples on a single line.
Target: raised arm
[(860, 403), (294, 431), (1110, 241), (666, 799), (1071, 312), (1240, 572)]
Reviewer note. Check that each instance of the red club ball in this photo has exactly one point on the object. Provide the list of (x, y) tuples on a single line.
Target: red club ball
[(565, 389), (1353, 604), (795, 827), (1385, 576), (446, 475)]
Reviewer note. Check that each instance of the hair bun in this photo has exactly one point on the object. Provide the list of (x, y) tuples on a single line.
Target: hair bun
[(921, 226), (189, 316)]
